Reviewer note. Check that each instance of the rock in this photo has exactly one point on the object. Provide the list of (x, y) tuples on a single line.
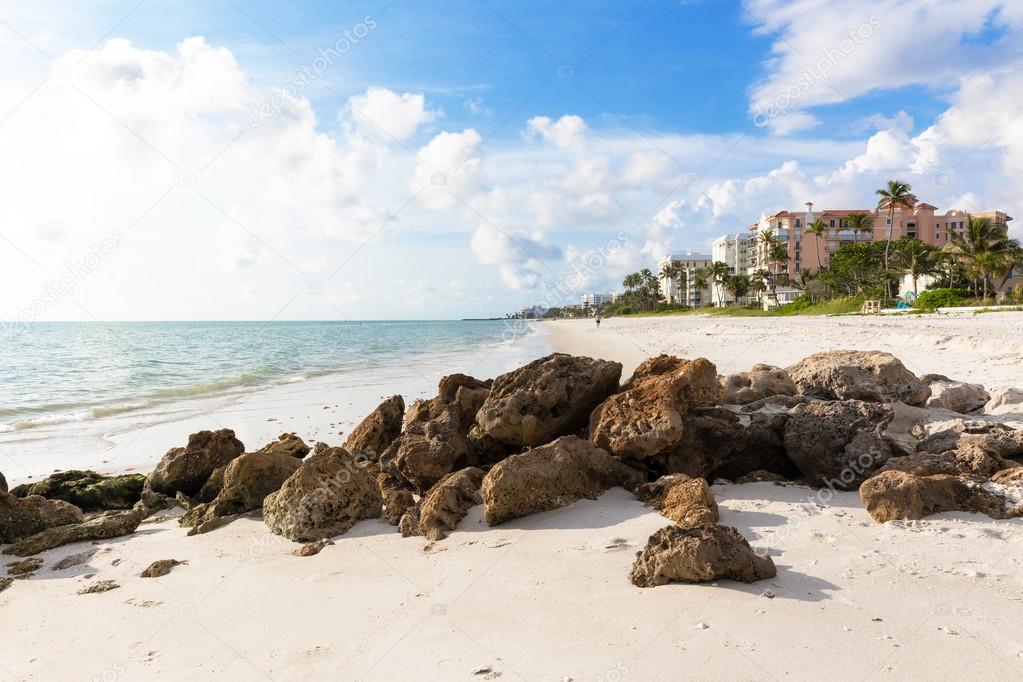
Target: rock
[(72, 560), (761, 382), (99, 587), (719, 442), (25, 567), (893, 495), (871, 376), (396, 495), (698, 555), (429, 450), (160, 568), (547, 398), (957, 396), (3, 483), (838, 444), (969, 460), (213, 485), (551, 476), (459, 395), (5, 583), (88, 490), (996, 440), (109, 524), (186, 469), (325, 497), (286, 444), (377, 431), (686, 501), (22, 517), (761, 476), (1005, 401), (312, 548), (444, 506), (152, 502), (248, 479), (646, 419)]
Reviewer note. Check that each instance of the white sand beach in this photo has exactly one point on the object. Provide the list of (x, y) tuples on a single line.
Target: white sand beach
[(547, 596)]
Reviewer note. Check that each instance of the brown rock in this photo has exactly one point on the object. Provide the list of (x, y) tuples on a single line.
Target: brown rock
[(397, 497), (186, 469), (838, 444), (88, 490), (686, 501), (3, 483), (698, 555), (551, 476), (647, 418), (871, 376), (99, 587), (22, 517), (547, 398), (5, 583), (429, 450), (969, 460), (312, 548), (957, 396), (248, 479), (160, 568), (761, 382), (444, 506), (286, 444), (377, 431), (106, 525), (893, 495), (25, 567), (325, 497)]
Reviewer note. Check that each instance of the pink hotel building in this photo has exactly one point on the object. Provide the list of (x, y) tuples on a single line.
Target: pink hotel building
[(789, 227)]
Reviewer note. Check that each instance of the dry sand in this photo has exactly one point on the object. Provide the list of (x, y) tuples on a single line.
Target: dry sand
[(547, 597)]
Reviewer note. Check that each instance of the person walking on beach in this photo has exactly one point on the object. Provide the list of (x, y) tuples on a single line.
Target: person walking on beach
[(597, 317)]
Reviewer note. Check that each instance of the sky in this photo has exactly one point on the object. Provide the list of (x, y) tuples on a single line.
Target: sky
[(404, 159)]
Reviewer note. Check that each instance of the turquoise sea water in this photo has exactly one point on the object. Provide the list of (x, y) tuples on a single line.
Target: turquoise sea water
[(59, 372)]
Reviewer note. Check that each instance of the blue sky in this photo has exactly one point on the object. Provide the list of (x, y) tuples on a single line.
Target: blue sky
[(562, 131)]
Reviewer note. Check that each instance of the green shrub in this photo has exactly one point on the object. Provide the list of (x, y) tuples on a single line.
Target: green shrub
[(625, 310), (933, 299)]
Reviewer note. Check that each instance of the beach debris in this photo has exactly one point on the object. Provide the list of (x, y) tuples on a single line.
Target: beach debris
[(326, 496), (447, 503), (686, 501), (700, 554), (99, 587), (102, 526), (87, 490), (186, 469), (312, 548), (760, 382), (547, 398), (25, 567), (871, 376), (160, 568), (551, 476), (838, 443), (72, 560), (22, 517), (378, 430), (645, 420)]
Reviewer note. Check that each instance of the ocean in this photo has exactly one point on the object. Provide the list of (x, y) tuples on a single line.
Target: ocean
[(81, 393)]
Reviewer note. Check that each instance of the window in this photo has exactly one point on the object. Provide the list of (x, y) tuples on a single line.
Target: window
[(797, 222), (832, 223)]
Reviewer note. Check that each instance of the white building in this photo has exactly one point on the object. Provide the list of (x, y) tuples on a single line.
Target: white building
[(685, 291), (732, 250), (596, 300)]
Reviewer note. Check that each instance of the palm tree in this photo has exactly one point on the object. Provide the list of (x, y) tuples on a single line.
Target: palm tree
[(917, 259), (718, 272), (984, 248), (737, 285), (895, 194), (667, 273), (701, 280), (758, 282), (632, 282), (819, 230), (682, 281), (1012, 262), (859, 223)]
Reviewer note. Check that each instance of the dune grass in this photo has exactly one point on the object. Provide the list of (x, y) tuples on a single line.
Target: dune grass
[(837, 306)]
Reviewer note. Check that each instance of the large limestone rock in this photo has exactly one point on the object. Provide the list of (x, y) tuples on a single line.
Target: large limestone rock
[(377, 431), (459, 396), (996, 440), (718, 442), (699, 555), (88, 490), (325, 497), (763, 381), (286, 444), (957, 396), (22, 517), (551, 476), (547, 398), (429, 450), (838, 444), (972, 461), (396, 495), (686, 501), (893, 495), (1005, 401), (106, 525), (186, 469), (647, 418), (447, 503), (871, 376), (3, 483)]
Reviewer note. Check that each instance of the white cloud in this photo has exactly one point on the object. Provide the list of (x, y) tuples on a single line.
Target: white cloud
[(380, 113), (567, 131)]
